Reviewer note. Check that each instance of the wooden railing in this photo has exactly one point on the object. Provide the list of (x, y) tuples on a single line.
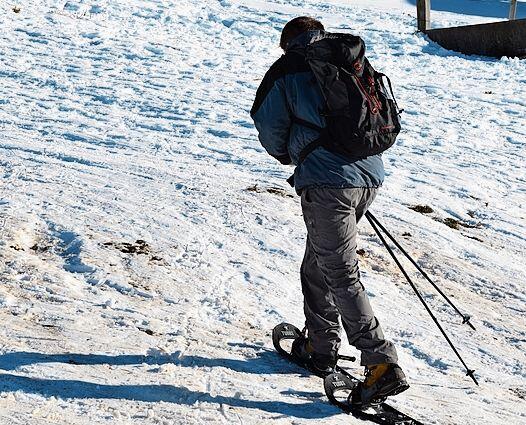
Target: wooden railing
[(513, 10), (423, 9)]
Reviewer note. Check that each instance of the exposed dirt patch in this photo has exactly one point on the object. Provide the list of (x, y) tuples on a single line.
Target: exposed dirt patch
[(451, 222), (422, 209), (39, 248), (519, 392), (473, 237), (272, 190), (138, 247), (457, 224)]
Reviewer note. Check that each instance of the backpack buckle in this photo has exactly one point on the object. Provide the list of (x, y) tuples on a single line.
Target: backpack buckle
[(357, 66)]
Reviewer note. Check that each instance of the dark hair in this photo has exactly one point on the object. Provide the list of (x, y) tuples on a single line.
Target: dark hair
[(297, 26)]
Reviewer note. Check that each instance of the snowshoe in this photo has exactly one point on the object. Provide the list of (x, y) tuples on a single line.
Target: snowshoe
[(340, 388), (340, 384), (300, 352)]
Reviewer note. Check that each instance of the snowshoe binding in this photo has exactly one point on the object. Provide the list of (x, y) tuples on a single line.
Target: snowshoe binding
[(381, 381), (301, 351), (344, 390)]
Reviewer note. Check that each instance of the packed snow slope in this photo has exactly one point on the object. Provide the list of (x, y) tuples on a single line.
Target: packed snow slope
[(148, 244)]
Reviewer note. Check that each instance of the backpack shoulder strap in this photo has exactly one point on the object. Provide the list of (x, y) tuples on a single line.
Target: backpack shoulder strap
[(309, 148), (307, 124), (312, 145)]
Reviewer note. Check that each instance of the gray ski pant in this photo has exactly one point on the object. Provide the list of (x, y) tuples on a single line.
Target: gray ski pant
[(330, 277)]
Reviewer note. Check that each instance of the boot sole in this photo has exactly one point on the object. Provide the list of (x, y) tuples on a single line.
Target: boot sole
[(391, 390), (394, 389)]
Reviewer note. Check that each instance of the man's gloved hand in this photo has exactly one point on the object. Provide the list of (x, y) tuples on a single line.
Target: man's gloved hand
[(284, 159)]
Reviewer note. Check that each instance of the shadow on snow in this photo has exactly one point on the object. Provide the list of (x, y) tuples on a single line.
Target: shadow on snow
[(69, 389), (266, 362)]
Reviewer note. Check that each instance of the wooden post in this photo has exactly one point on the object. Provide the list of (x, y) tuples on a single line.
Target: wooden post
[(513, 9), (423, 12)]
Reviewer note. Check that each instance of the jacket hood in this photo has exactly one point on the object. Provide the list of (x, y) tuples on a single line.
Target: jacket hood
[(305, 38)]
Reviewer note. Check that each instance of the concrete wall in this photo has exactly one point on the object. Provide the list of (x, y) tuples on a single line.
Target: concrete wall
[(497, 39)]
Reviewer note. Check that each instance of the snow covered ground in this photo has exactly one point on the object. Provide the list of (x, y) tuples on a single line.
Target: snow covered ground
[(148, 245)]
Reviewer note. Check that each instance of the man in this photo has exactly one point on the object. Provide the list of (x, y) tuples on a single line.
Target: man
[(335, 193)]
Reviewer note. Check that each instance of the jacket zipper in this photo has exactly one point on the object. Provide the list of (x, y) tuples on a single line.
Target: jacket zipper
[(374, 93), (373, 103)]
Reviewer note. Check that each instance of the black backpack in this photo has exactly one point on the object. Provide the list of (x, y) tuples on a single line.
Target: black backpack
[(361, 119)]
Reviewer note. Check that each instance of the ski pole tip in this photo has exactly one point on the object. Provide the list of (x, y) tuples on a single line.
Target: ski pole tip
[(471, 374), (466, 319)]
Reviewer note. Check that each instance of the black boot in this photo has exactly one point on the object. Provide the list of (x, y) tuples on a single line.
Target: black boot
[(319, 364)]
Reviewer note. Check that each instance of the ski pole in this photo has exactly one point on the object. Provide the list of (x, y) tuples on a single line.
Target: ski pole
[(469, 372), (465, 317)]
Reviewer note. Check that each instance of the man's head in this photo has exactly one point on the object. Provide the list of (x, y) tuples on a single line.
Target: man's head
[(296, 27)]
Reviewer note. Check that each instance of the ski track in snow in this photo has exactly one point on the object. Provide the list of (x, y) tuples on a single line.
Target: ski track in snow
[(141, 270)]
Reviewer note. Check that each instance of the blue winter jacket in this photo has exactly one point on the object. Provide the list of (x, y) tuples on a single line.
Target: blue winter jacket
[(288, 90)]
